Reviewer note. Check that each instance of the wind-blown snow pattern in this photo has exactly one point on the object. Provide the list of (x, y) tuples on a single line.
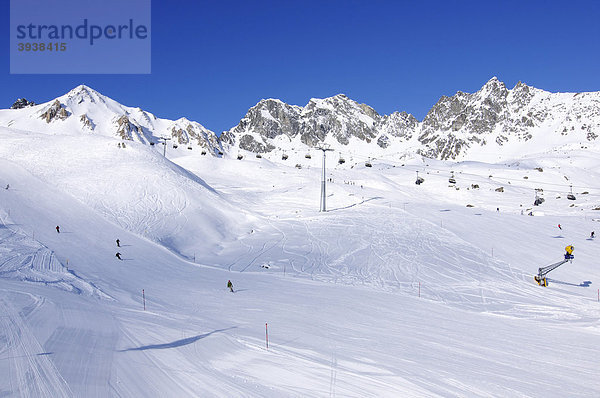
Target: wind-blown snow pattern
[(397, 290)]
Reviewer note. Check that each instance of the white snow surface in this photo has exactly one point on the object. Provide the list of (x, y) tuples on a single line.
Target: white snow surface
[(397, 290)]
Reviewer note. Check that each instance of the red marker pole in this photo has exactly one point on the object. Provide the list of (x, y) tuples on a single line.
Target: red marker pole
[(144, 297), (267, 335)]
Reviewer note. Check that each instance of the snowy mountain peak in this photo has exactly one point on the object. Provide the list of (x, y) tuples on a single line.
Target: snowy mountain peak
[(480, 124), (493, 88), (81, 94), (84, 110), (493, 121), (273, 124)]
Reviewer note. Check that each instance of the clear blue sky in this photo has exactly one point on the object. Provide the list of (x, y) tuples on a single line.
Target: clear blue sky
[(211, 61)]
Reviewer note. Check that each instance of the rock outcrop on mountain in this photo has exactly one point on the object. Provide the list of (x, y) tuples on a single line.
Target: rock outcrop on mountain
[(22, 103), (56, 111), (184, 131), (86, 123), (400, 125), (126, 128), (454, 127), (337, 118)]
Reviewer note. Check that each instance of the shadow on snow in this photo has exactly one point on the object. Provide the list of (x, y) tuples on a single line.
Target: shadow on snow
[(356, 204), (582, 284), (177, 343)]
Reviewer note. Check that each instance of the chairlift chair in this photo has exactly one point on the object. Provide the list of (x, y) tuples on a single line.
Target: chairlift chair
[(570, 196), (284, 157), (420, 180)]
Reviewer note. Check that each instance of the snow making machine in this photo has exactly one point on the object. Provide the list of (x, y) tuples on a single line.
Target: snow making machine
[(540, 278)]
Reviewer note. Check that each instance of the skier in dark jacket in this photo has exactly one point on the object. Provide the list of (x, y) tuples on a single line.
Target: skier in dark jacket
[(118, 255), (230, 286), (58, 229), (118, 243)]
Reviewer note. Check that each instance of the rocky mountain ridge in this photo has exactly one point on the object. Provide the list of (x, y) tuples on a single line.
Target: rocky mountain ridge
[(492, 123), (493, 117)]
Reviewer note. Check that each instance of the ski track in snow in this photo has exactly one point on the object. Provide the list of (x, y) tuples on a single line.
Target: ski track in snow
[(338, 289), (27, 366), (27, 260)]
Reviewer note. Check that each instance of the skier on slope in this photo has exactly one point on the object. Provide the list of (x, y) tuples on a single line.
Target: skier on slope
[(118, 243), (230, 286), (118, 255), (58, 229), (592, 235), (559, 227)]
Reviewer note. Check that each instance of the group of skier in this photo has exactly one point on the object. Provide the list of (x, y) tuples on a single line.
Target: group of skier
[(118, 255), (592, 234)]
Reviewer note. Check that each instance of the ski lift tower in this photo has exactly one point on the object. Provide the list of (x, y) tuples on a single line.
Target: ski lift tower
[(164, 142), (323, 180)]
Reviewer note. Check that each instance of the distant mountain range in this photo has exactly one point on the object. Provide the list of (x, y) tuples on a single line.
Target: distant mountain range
[(494, 122)]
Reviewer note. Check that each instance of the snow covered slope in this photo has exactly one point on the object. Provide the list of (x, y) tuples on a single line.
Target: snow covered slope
[(133, 186), (397, 290)]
